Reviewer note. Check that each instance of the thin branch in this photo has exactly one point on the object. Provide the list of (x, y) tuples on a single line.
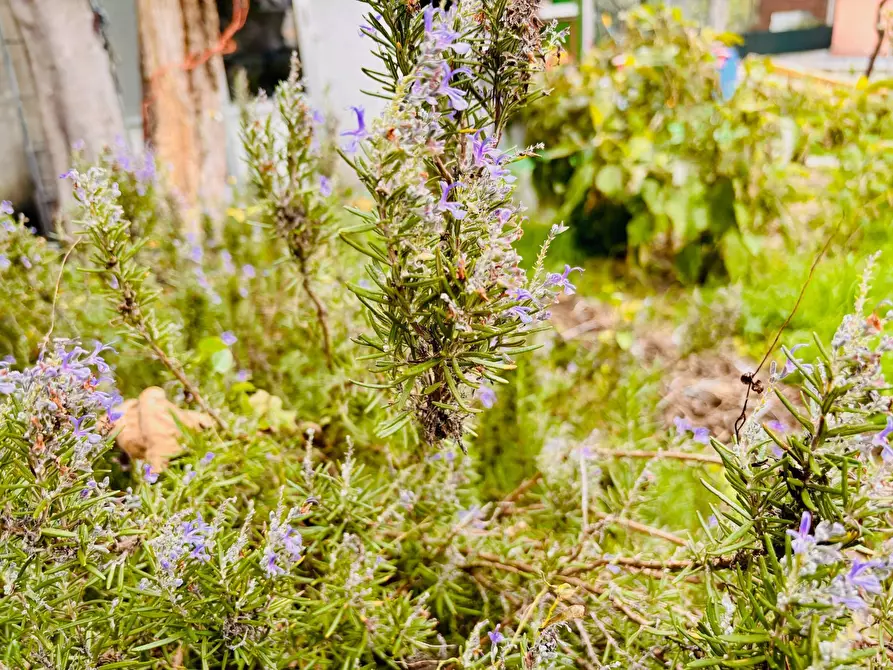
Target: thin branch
[(320, 315), (881, 33), (46, 338), (177, 370), (641, 528)]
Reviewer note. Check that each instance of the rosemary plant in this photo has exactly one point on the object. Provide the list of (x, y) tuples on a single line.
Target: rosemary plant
[(448, 299)]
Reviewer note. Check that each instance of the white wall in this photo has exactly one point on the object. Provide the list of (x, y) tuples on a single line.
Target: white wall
[(334, 54)]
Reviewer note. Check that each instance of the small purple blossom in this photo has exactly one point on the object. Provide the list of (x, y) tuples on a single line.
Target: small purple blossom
[(196, 254), (882, 439), (325, 186), (228, 338), (520, 312), (455, 96), (6, 207), (356, 136), (207, 458), (495, 635), (789, 366), (867, 581), (702, 435), (84, 433), (149, 474), (776, 426), (4, 262), (802, 540), (683, 425), (196, 534), (520, 294), (487, 396), (242, 375), (444, 37), (453, 208), (561, 280), (248, 271), (226, 259)]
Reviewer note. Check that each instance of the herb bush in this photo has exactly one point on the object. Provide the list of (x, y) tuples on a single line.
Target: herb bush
[(344, 526)]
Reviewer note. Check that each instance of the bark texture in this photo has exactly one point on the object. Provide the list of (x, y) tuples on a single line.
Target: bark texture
[(184, 87), (70, 96)]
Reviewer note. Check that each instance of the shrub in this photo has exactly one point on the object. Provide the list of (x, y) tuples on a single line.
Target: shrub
[(647, 157)]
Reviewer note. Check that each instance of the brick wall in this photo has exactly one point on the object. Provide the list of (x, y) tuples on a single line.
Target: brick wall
[(818, 8)]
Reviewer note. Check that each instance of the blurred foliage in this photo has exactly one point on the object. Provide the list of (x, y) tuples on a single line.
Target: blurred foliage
[(647, 159)]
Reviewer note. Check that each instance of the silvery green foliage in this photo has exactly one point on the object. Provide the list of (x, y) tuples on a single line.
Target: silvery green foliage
[(286, 165), (62, 525), (806, 530), (283, 159), (448, 299)]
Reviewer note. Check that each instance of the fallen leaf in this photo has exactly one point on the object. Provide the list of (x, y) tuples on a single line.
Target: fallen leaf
[(149, 430)]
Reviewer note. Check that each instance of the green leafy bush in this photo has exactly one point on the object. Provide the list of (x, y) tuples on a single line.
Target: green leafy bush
[(647, 159)]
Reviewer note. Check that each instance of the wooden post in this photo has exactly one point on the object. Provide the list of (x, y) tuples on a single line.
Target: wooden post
[(184, 86), (70, 96)]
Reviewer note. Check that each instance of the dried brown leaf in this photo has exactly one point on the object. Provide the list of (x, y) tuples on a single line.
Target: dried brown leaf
[(149, 427)]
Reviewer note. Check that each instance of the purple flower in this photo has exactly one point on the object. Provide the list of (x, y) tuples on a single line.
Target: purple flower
[(85, 433), (248, 271), (89, 488), (776, 426), (487, 396), (367, 29), (149, 474), (226, 259), (356, 136), (882, 440), (242, 375), (520, 312), (6, 207), (561, 280), (196, 534), (443, 35), (683, 425), (71, 174), (495, 636), (4, 262), (455, 96), (789, 366), (453, 208), (702, 435), (228, 338), (196, 254), (862, 580), (207, 458), (802, 540), (520, 294), (26, 262), (849, 587), (318, 117), (270, 565), (325, 186)]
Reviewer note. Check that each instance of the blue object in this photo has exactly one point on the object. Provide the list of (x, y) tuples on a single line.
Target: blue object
[(728, 75)]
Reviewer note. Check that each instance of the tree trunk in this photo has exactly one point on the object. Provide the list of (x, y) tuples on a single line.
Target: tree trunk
[(184, 88), (71, 97)]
